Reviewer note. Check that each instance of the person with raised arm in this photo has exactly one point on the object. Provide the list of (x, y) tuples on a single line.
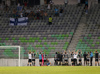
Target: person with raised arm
[(66, 58), (75, 57), (80, 57), (33, 58), (29, 58), (72, 57)]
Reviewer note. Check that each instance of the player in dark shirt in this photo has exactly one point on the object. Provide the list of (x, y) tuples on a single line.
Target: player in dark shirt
[(85, 58), (72, 57), (33, 58), (55, 58), (58, 57), (61, 12), (96, 58), (80, 58), (61, 58)]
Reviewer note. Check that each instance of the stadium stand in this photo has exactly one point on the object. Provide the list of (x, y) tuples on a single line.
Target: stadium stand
[(39, 36), (90, 37)]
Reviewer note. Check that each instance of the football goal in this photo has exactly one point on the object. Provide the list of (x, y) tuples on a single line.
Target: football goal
[(11, 55)]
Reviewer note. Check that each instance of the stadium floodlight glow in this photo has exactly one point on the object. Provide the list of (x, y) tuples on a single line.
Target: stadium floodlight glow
[(18, 52)]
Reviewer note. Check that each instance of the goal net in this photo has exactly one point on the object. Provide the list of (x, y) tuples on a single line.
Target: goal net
[(11, 56)]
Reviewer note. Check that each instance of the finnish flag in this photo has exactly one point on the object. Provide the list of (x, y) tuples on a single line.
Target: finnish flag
[(19, 21)]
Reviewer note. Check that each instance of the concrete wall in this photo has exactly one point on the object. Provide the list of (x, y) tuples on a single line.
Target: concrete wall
[(41, 2), (62, 1), (14, 62)]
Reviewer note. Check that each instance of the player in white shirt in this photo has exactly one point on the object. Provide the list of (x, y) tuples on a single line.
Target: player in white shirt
[(29, 58), (75, 57)]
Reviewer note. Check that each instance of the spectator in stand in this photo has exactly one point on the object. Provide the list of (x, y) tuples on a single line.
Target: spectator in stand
[(6, 7), (14, 13), (42, 8), (38, 13), (38, 10), (45, 15), (51, 3), (1, 6), (86, 9), (66, 2), (56, 12), (50, 20), (31, 15), (86, 3), (49, 7), (27, 12), (21, 13), (79, 2), (25, 4), (18, 6), (61, 12), (41, 14)]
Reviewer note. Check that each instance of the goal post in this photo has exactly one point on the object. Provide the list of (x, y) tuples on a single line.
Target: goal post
[(19, 52)]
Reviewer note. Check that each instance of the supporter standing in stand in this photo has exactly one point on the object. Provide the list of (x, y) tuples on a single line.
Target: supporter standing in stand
[(61, 12)]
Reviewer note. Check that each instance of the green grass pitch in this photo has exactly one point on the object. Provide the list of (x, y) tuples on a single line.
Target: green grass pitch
[(50, 70)]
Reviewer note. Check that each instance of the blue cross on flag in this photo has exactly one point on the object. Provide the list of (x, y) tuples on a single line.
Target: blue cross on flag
[(19, 21)]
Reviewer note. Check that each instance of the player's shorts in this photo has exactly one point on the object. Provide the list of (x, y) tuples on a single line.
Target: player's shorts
[(44, 59), (88, 59), (33, 59), (61, 60), (85, 59), (29, 60), (40, 60), (58, 59), (75, 60), (55, 59), (80, 60), (65, 59), (72, 60), (96, 59)]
